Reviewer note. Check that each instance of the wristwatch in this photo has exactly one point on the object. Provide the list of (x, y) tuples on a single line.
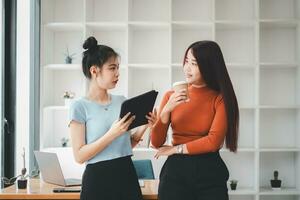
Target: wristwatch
[(179, 149)]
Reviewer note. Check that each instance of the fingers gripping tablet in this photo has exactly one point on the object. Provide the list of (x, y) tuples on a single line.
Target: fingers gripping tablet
[(139, 106)]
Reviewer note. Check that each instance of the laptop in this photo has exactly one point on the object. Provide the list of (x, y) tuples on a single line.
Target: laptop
[(51, 170)]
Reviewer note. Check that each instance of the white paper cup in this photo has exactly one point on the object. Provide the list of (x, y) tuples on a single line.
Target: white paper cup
[(180, 85)]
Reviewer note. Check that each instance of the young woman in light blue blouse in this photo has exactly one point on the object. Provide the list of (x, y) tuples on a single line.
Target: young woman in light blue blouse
[(99, 138)]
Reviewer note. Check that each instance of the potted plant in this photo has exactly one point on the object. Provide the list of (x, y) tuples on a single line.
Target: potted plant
[(68, 96), (275, 183), (233, 184), (69, 57), (22, 181), (64, 142)]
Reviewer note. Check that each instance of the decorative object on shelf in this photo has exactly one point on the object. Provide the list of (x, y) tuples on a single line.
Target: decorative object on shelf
[(22, 181), (276, 183), (69, 57), (233, 184), (64, 142), (68, 97)]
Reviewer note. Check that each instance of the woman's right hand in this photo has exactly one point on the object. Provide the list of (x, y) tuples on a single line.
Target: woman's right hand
[(175, 99), (121, 126)]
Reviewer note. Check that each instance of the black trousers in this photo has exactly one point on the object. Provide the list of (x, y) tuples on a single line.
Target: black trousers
[(111, 180), (194, 177)]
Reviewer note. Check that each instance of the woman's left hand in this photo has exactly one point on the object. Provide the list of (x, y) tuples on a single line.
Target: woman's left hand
[(165, 151)]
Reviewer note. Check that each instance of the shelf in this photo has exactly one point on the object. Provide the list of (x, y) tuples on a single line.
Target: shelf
[(280, 149), (184, 35), (243, 82), (149, 45), (144, 25), (286, 163), (68, 67), (62, 26), (56, 108), (246, 66), (241, 197), (283, 191), (106, 10), (145, 10), (193, 24), (237, 42), (279, 107), (239, 164), (108, 26), (284, 49), (235, 10), (149, 66), (278, 197), (278, 65), (114, 38), (231, 24), (59, 81), (241, 191), (278, 23), (277, 9), (259, 40), (240, 149), (158, 80), (63, 67), (57, 11), (56, 127), (55, 44), (284, 82), (281, 126), (192, 10), (247, 128)]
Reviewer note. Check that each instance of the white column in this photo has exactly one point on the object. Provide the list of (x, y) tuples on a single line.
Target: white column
[(23, 84)]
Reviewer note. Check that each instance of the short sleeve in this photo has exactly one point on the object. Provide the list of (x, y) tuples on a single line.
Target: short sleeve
[(77, 112)]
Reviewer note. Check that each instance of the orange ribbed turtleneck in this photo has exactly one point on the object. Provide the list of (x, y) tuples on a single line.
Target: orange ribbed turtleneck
[(201, 123)]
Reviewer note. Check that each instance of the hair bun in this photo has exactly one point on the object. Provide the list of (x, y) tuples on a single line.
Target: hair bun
[(90, 43)]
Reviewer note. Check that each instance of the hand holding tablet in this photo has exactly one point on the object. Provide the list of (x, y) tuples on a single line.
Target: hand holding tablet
[(139, 106)]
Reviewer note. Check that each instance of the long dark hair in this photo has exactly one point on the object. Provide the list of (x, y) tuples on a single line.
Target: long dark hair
[(95, 55), (212, 66)]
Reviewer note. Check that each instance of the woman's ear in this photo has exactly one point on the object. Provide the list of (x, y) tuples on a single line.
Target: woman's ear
[(93, 71)]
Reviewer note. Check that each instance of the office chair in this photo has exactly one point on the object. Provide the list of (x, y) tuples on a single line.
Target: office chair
[(144, 169)]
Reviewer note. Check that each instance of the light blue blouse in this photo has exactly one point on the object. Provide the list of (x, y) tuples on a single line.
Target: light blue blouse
[(98, 119)]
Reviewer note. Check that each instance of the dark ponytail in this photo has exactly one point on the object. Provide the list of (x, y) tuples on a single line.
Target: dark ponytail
[(95, 55), (212, 66)]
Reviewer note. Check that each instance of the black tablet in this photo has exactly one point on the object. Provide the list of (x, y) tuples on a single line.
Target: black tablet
[(139, 106)]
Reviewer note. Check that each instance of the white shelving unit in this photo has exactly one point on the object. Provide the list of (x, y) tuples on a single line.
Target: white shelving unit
[(260, 40)]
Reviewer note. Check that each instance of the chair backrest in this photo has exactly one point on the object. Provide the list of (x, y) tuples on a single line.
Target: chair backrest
[(144, 169)]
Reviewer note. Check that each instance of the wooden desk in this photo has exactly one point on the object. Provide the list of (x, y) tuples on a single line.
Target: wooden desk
[(37, 189)]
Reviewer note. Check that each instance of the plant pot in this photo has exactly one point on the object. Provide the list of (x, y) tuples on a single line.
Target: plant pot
[(68, 102), (275, 184), (233, 186), (68, 60), (22, 183)]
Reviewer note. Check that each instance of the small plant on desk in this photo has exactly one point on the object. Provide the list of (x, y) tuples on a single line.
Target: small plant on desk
[(22, 181)]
